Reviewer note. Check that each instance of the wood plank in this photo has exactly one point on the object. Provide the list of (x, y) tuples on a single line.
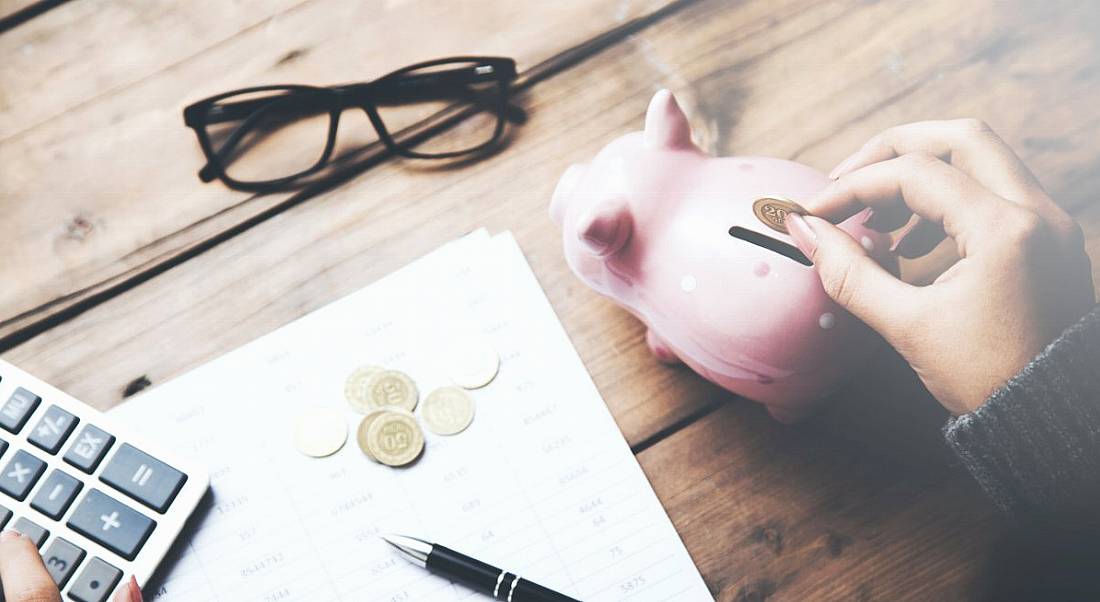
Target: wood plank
[(319, 251), (102, 183), (81, 51), (316, 253), (83, 235), (778, 513)]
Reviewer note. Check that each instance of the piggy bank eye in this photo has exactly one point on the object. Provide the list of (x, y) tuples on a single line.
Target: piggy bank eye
[(771, 244)]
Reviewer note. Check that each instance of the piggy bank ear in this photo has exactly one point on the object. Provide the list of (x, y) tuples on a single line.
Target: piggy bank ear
[(606, 227), (666, 126)]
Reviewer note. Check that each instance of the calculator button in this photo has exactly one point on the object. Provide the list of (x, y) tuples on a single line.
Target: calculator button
[(62, 558), (56, 494), (53, 429), (95, 582), (3, 447), (88, 448), (111, 524), (5, 516), (18, 409), (143, 477), (20, 474), (32, 530)]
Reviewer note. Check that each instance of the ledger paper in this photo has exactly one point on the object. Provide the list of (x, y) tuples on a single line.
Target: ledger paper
[(542, 483)]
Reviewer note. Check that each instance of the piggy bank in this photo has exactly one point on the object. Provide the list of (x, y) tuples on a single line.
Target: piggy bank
[(670, 233)]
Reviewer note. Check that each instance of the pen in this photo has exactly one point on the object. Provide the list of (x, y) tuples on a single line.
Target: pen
[(482, 577)]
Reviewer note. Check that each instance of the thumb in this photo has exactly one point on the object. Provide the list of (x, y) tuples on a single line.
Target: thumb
[(851, 277), (23, 575)]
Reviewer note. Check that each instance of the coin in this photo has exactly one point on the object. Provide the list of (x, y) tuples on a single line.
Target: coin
[(772, 211), (472, 364), (391, 388), (447, 410), (364, 426), (394, 438), (320, 432), (355, 388)]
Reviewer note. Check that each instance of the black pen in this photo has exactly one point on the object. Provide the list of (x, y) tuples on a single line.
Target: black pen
[(482, 577)]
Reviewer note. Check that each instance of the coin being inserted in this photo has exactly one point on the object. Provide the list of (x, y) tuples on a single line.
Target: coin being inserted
[(356, 389), (472, 364), (391, 388), (447, 410), (395, 439), (320, 432), (772, 211)]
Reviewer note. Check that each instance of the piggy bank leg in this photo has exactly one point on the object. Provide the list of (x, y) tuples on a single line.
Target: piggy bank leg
[(660, 348)]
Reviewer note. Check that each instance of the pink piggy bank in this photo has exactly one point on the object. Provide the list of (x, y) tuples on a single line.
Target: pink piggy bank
[(670, 233)]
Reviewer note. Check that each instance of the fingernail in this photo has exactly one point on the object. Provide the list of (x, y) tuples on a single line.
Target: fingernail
[(135, 591), (10, 534), (802, 234), (129, 592)]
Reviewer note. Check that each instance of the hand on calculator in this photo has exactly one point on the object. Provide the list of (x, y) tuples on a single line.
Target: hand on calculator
[(26, 579)]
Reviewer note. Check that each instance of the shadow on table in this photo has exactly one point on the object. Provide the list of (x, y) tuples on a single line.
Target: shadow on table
[(887, 412)]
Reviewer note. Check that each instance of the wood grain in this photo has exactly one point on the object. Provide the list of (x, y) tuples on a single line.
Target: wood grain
[(862, 502), (99, 177), (16, 12), (777, 513)]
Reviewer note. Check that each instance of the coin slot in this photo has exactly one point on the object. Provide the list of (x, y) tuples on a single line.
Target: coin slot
[(771, 244)]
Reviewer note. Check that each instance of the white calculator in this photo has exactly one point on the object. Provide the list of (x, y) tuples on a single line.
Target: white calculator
[(101, 501)]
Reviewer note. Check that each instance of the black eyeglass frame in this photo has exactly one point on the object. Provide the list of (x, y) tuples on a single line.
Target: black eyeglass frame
[(395, 87)]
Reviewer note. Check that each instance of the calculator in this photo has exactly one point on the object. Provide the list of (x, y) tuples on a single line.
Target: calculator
[(99, 500)]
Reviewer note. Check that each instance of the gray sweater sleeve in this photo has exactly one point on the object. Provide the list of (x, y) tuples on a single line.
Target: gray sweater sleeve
[(1034, 445)]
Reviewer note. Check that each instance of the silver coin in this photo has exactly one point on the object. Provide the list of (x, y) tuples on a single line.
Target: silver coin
[(472, 364), (320, 432), (447, 410)]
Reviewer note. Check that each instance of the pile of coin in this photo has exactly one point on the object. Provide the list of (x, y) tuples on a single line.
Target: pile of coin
[(389, 431)]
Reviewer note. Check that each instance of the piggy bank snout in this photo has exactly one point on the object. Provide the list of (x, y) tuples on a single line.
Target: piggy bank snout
[(566, 186)]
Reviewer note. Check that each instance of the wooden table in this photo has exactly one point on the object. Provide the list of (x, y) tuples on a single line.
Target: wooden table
[(122, 270)]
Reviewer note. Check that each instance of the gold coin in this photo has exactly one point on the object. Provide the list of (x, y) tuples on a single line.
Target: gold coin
[(390, 388), (395, 439), (320, 432), (364, 426), (772, 211), (355, 388), (472, 364), (447, 410)]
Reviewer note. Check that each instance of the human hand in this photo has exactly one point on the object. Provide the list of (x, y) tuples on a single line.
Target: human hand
[(25, 579), (1022, 277)]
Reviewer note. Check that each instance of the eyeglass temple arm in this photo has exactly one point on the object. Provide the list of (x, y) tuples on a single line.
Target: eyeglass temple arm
[(402, 88), (441, 86), (304, 104)]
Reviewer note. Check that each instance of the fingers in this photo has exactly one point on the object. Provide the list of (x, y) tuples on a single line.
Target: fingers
[(854, 280), (921, 184), (21, 570), (968, 144), (130, 592)]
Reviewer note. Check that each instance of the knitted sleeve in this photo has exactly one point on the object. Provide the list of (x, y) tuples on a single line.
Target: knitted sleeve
[(1034, 445)]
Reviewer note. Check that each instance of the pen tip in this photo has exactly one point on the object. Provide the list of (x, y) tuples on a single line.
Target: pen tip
[(416, 550)]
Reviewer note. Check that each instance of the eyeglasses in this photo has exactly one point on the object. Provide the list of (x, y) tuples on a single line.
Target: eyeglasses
[(274, 137)]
